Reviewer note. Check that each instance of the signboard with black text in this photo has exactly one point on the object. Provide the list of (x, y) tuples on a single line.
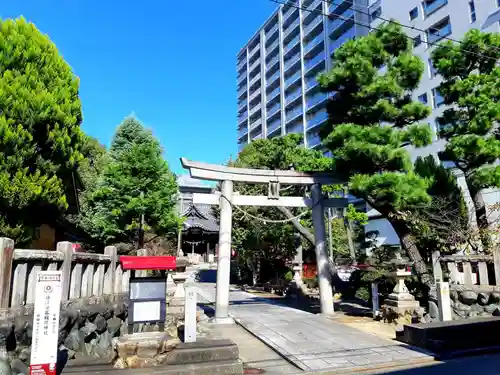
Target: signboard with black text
[(44, 346)]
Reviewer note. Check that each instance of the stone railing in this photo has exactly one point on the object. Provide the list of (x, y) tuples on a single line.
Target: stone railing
[(84, 275), (481, 272)]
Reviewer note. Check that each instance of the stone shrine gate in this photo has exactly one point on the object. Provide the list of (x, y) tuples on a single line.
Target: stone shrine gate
[(227, 198)]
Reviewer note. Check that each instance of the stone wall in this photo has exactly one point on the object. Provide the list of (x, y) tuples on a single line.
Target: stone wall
[(467, 303)]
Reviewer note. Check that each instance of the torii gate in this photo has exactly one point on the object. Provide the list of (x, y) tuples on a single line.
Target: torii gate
[(228, 175)]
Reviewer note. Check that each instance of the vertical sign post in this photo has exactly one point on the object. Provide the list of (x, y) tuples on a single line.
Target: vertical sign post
[(375, 301), (444, 301), (190, 314), (46, 323)]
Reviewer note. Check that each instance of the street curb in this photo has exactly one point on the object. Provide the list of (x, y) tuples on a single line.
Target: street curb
[(468, 353), (393, 366)]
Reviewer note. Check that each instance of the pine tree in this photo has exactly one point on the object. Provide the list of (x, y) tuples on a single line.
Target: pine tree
[(471, 85), (372, 117)]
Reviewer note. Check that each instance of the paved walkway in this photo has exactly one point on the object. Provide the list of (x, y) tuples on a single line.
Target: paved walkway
[(312, 342)]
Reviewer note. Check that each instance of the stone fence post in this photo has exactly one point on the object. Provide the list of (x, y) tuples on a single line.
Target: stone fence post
[(444, 301), (109, 275), (141, 253), (6, 257), (66, 248)]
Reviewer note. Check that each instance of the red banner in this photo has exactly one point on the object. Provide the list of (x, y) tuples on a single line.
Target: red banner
[(44, 369)]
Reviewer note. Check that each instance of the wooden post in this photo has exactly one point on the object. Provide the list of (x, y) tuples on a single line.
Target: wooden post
[(436, 266), (109, 274), (452, 267), (496, 262), (6, 258), (467, 273), (66, 248), (483, 273)]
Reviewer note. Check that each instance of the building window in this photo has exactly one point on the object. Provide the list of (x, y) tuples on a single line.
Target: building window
[(432, 69), (430, 6), (417, 40), (498, 3), (376, 14), (472, 11), (437, 98), (423, 98), (414, 13), (438, 31)]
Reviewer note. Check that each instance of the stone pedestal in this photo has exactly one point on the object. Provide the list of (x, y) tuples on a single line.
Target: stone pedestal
[(400, 300), (140, 350), (179, 280)]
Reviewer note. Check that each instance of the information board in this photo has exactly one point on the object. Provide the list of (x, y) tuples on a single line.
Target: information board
[(44, 346)]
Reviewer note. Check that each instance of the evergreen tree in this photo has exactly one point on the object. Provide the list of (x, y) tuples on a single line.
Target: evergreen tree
[(372, 117), (135, 181), (40, 136), (471, 85)]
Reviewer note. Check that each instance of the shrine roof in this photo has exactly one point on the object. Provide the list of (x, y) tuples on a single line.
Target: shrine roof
[(200, 216)]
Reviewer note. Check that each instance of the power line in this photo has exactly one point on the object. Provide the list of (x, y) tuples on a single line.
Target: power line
[(284, 2), (411, 27)]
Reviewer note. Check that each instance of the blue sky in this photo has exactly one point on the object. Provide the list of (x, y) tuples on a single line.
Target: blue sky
[(172, 63)]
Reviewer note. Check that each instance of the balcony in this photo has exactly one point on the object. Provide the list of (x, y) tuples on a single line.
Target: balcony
[(294, 113), (311, 83), (273, 94), (272, 46), (273, 126), (254, 109), (255, 49), (290, 28), (272, 78), (255, 124), (344, 17), (242, 91), (257, 136), (315, 100), (242, 105), (271, 31), (315, 22), (292, 61), (292, 79), (438, 32), (348, 35), (296, 127), (275, 108), (294, 95), (292, 43), (241, 78), (313, 140), (242, 117), (273, 61), (317, 119), (311, 44), (309, 64), (254, 79), (430, 6), (254, 94), (289, 11), (242, 131), (254, 65), (241, 65)]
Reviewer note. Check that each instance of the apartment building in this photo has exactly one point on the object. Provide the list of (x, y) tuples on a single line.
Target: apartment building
[(276, 70), (277, 90), (433, 21)]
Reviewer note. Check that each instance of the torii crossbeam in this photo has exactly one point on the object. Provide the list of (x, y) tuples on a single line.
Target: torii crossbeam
[(273, 178)]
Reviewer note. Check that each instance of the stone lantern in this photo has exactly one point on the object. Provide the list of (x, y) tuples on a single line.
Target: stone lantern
[(400, 300)]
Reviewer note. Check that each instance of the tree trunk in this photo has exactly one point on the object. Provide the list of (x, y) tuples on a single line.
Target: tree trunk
[(481, 215), (409, 245), (304, 232)]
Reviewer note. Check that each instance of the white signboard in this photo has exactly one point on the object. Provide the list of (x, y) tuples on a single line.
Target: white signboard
[(190, 314), (44, 346)]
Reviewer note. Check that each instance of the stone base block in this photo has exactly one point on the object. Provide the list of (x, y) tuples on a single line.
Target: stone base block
[(147, 350), (402, 307)]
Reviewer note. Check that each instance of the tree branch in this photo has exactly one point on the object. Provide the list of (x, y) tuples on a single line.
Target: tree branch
[(304, 232)]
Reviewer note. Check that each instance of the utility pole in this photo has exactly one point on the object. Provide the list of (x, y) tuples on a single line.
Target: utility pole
[(140, 244)]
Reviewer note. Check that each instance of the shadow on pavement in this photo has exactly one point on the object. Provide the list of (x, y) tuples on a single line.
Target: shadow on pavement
[(478, 365)]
